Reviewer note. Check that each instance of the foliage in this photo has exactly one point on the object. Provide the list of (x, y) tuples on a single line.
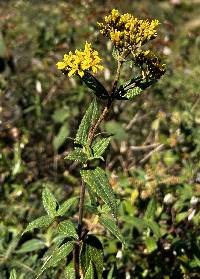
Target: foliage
[(152, 161)]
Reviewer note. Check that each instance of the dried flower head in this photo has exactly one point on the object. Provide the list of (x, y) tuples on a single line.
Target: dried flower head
[(150, 64), (128, 32), (80, 61)]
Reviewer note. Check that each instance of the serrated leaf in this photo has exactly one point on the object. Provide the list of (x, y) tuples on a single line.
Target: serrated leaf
[(58, 254), (65, 206), (115, 53), (100, 146), (67, 228), (131, 93), (77, 155), (88, 119), (69, 272), (110, 225), (41, 222), (98, 182), (90, 272), (151, 209), (31, 245), (49, 202), (92, 251), (95, 85)]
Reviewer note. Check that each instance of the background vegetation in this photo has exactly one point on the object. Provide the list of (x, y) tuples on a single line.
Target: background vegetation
[(153, 162)]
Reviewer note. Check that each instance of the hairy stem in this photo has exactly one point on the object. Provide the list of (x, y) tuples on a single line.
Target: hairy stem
[(91, 135)]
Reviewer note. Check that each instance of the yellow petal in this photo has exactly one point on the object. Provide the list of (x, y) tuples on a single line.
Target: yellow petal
[(81, 73), (61, 65)]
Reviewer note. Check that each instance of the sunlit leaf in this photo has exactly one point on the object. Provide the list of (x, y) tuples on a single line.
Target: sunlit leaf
[(49, 202)]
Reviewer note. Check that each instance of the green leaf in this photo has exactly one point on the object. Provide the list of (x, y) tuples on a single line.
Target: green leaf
[(13, 274), (31, 245), (110, 224), (49, 202), (77, 155), (41, 222), (58, 254), (151, 244), (98, 182), (61, 136), (100, 146), (92, 251), (154, 227), (90, 272), (115, 53), (65, 206), (67, 228), (87, 121), (95, 85), (181, 216), (69, 272), (110, 273), (133, 87), (151, 209)]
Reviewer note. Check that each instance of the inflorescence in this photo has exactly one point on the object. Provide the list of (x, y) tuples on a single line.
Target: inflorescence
[(80, 61), (128, 32)]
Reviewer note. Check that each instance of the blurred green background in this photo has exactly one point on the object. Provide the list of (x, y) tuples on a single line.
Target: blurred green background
[(154, 155)]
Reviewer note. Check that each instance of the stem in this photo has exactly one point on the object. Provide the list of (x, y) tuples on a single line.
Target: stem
[(93, 129)]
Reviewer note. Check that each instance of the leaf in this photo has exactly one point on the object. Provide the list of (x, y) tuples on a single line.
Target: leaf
[(61, 136), (133, 87), (110, 224), (69, 272), (31, 245), (110, 273), (154, 227), (58, 254), (100, 146), (181, 216), (98, 182), (151, 244), (49, 202), (67, 228), (41, 222), (115, 53), (77, 155), (88, 119), (151, 209), (13, 274), (95, 85), (92, 251), (90, 272), (65, 206)]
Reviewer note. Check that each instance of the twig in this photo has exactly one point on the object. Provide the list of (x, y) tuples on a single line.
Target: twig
[(158, 148), (143, 147)]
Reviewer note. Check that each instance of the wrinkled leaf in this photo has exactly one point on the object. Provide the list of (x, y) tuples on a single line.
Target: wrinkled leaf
[(41, 222), (90, 272), (57, 255), (67, 228), (100, 146), (92, 251), (98, 182), (65, 206), (77, 155), (88, 119), (69, 272), (49, 202), (110, 225)]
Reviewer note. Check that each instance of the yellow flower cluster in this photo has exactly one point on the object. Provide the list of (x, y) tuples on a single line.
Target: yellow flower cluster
[(80, 61), (128, 32), (150, 64)]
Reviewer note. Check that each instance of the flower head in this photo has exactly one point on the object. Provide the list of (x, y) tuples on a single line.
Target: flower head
[(80, 61), (150, 64), (128, 32)]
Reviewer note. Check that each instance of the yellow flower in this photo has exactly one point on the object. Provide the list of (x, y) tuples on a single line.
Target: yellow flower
[(128, 32), (80, 61)]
